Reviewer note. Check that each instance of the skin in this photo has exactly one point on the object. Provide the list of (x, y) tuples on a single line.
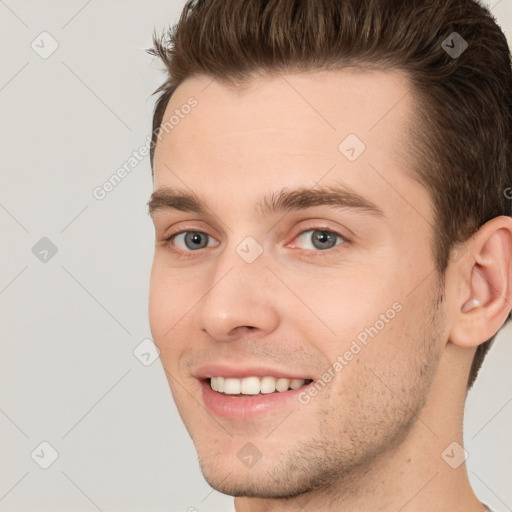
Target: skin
[(372, 439)]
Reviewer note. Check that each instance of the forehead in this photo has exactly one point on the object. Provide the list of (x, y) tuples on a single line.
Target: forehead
[(344, 126), (310, 112)]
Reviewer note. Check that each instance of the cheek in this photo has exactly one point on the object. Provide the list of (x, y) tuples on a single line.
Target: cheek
[(352, 308), (167, 307), (380, 382), (376, 326), (158, 302)]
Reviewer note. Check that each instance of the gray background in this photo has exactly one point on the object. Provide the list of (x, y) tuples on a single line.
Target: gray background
[(70, 324)]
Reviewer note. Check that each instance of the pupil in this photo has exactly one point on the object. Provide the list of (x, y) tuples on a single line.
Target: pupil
[(194, 239), (324, 237)]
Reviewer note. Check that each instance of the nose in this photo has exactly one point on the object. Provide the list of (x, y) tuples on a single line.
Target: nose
[(239, 300)]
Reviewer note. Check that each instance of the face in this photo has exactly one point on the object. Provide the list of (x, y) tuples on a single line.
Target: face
[(308, 268)]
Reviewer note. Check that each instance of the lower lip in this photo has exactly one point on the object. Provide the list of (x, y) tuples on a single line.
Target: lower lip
[(246, 406)]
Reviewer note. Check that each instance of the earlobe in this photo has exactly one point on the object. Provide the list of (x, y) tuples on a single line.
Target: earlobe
[(484, 284)]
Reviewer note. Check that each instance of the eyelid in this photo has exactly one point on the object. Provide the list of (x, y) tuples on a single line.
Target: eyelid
[(187, 253), (310, 253), (322, 226)]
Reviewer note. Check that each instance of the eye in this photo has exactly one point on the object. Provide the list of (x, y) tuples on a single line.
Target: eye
[(321, 239), (192, 240)]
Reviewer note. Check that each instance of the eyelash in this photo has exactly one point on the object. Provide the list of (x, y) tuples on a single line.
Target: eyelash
[(312, 253)]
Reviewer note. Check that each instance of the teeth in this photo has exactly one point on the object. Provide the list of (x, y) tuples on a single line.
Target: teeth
[(250, 386), (282, 385), (232, 386), (268, 385), (296, 383), (253, 385)]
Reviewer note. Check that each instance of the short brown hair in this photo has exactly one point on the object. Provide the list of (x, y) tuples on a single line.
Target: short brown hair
[(461, 140)]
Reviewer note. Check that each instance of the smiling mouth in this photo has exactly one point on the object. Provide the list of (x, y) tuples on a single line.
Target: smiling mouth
[(250, 386)]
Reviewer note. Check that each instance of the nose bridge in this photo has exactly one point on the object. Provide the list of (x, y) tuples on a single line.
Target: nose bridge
[(239, 292)]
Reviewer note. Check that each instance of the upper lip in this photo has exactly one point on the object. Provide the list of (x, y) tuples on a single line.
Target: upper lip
[(239, 372)]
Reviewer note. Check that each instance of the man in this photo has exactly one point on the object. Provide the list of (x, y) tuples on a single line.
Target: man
[(333, 244)]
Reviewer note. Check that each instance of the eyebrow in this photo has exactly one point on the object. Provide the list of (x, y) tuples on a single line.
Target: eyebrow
[(282, 201)]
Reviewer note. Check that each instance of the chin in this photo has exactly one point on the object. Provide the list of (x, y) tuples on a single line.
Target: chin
[(257, 484), (283, 475)]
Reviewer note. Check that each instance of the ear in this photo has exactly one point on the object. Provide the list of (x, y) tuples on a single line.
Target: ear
[(481, 285)]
